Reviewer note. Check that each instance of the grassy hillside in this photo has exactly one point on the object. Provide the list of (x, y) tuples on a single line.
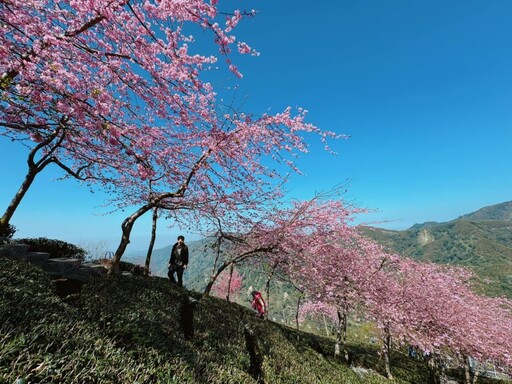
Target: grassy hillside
[(129, 329), (476, 240)]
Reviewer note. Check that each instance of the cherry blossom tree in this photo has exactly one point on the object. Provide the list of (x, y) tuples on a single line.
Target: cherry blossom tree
[(233, 254), (89, 85), (422, 304), (339, 273), (303, 238), (433, 307), (427, 305), (253, 233), (321, 252), (112, 92)]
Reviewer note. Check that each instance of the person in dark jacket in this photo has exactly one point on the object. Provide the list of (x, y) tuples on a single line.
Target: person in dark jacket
[(178, 261)]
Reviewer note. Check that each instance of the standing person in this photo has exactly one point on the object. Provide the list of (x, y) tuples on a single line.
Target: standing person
[(178, 261), (258, 304)]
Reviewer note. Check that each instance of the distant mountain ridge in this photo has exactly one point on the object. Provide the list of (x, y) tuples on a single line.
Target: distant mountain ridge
[(497, 212), (481, 240)]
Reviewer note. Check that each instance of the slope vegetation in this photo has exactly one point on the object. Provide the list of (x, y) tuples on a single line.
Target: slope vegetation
[(129, 329)]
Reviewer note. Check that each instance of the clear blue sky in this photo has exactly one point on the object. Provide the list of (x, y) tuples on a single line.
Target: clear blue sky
[(424, 89)]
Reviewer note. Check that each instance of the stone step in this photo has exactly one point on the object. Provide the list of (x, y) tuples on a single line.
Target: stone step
[(94, 268), (37, 258), (14, 251), (85, 272), (61, 269), (61, 266)]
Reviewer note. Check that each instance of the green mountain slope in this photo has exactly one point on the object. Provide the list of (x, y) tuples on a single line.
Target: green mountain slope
[(481, 240)]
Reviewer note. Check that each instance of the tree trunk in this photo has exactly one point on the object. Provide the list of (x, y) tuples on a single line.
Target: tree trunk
[(297, 311), (475, 377), (214, 274), (151, 242), (326, 327), (15, 202), (267, 288), (213, 277), (229, 281), (341, 336), (34, 167), (387, 353), (267, 294), (284, 315), (470, 372), (126, 228), (238, 259), (154, 202), (440, 368)]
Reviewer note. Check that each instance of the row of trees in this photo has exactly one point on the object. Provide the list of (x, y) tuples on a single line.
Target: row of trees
[(113, 93), (341, 273)]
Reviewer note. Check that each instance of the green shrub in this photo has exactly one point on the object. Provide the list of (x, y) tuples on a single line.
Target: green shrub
[(57, 249), (135, 269), (7, 232)]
